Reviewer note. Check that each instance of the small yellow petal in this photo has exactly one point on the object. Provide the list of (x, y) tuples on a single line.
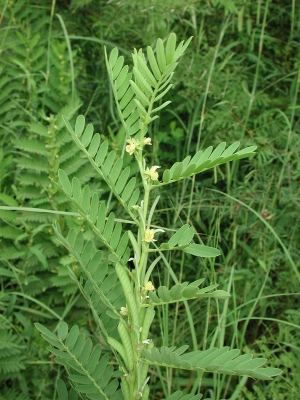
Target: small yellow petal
[(131, 147), (149, 235), (149, 286), (124, 311), (153, 175)]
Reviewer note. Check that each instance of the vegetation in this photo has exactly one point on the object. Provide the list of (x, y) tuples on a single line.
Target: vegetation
[(238, 80)]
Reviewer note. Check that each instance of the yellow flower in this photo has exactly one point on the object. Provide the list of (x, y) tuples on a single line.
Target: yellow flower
[(149, 286), (149, 235), (147, 140), (151, 173), (131, 147), (124, 311)]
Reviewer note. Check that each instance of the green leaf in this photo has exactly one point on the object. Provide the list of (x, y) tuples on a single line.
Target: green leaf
[(216, 360), (189, 170), (62, 330), (101, 367), (122, 245), (117, 67), (109, 162), (87, 389), (94, 146), (54, 343), (231, 364), (80, 379), (246, 151), (140, 95), (204, 156), (153, 63), (59, 353), (94, 358), (77, 349), (176, 292), (251, 364), (87, 135), (115, 172), (143, 68), (109, 282), (134, 198), (141, 109), (266, 373), (128, 189), (46, 332), (115, 237), (160, 55), (101, 153), (142, 82), (154, 298), (190, 291), (226, 356), (124, 88), (200, 250), (113, 56), (161, 95), (78, 245), (79, 125), (130, 122), (73, 395), (87, 252), (161, 106), (164, 294), (72, 337), (101, 217), (231, 149), (175, 170), (95, 262), (109, 226), (94, 208), (166, 176), (62, 390), (111, 387), (122, 76), (174, 240), (127, 101), (134, 128), (86, 352), (64, 181), (86, 198), (122, 180), (170, 48), (181, 48), (100, 273), (187, 237), (76, 190), (218, 151), (220, 294)]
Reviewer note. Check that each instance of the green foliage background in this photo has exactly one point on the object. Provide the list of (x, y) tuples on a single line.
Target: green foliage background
[(239, 80)]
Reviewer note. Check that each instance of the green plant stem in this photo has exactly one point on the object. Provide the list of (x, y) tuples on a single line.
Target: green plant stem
[(237, 392)]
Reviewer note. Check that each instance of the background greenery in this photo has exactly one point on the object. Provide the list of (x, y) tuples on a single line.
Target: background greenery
[(239, 80)]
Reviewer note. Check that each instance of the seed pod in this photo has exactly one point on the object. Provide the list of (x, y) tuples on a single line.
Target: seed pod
[(150, 313), (125, 388), (129, 294), (127, 345), (118, 347)]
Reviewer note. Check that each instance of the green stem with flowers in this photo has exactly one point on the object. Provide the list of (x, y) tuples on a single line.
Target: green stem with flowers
[(136, 378), (131, 310)]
